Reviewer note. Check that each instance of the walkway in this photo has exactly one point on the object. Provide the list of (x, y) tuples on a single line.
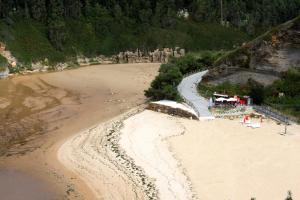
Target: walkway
[(188, 91)]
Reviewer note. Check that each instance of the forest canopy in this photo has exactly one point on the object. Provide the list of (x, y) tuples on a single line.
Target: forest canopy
[(95, 26)]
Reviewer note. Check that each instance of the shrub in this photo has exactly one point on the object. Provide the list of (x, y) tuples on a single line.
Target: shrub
[(289, 197), (3, 63), (170, 75), (165, 84)]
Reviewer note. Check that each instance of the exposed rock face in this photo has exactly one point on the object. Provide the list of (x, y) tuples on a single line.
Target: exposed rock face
[(156, 56), (7, 54), (272, 53), (138, 56)]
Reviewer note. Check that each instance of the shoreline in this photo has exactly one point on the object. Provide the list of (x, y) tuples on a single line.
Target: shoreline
[(147, 143), (101, 99), (86, 157), (111, 156), (157, 143)]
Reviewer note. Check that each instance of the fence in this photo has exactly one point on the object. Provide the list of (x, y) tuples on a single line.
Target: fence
[(274, 114), (180, 90), (189, 103)]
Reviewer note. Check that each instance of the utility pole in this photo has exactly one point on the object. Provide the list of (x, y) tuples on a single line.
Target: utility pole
[(285, 125), (221, 12)]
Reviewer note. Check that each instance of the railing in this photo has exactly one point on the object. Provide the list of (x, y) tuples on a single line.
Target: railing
[(274, 114), (189, 103)]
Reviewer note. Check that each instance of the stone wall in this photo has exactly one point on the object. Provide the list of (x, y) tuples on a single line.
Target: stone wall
[(171, 111)]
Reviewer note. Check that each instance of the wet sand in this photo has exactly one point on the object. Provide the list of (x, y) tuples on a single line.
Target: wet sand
[(54, 106), (15, 185)]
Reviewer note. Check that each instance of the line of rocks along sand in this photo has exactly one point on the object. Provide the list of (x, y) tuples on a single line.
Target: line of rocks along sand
[(127, 158), (97, 158), (149, 155)]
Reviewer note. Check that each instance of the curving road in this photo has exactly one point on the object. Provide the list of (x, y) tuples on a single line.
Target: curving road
[(188, 90)]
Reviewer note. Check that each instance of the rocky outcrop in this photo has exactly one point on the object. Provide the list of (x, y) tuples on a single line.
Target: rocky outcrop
[(272, 53), (7, 54), (138, 56)]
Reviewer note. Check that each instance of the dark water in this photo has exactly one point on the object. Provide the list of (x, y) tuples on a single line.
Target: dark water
[(15, 185)]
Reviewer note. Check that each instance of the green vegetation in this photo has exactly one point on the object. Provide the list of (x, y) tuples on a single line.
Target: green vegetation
[(61, 29), (3, 63), (288, 87), (28, 40), (233, 55), (251, 16), (170, 75)]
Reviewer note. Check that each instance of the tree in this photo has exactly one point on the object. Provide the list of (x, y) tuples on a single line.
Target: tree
[(38, 9), (72, 8), (56, 24)]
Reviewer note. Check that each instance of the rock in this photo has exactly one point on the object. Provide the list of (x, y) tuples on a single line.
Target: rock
[(271, 54), (4, 74), (182, 52)]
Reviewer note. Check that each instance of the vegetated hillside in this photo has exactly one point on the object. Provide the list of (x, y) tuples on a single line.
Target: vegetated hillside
[(263, 59), (27, 39), (250, 16), (267, 69), (61, 29)]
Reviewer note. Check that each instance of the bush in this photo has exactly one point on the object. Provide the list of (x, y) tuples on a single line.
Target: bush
[(165, 84), (289, 85), (257, 91), (3, 63), (170, 75)]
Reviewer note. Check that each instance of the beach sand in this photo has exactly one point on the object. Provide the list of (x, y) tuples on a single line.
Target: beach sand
[(40, 112), (87, 136), (186, 159), (226, 160), (144, 139)]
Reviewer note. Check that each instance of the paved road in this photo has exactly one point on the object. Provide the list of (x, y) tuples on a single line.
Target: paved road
[(188, 90)]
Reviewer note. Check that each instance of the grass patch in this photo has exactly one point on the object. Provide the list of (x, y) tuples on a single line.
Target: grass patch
[(27, 40)]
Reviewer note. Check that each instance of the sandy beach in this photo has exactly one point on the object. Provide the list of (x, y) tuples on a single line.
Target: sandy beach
[(226, 160), (223, 159), (39, 112), (186, 159), (89, 137)]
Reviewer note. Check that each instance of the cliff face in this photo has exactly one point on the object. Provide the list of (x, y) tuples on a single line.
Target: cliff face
[(270, 54)]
